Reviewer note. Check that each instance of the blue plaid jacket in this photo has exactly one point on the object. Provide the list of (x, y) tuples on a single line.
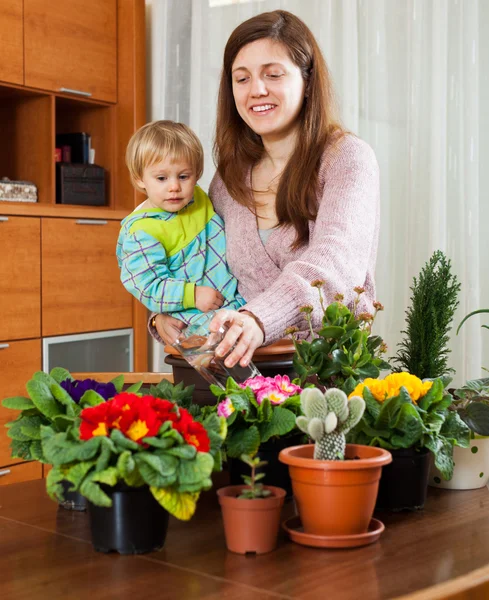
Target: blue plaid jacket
[(163, 256)]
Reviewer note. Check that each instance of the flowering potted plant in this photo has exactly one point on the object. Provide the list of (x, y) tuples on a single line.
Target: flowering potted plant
[(335, 484), (343, 352), (251, 512), (411, 419), (54, 400), (136, 459), (260, 415), (471, 465)]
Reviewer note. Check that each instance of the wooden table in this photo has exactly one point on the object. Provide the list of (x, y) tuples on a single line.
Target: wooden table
[(45, 552)]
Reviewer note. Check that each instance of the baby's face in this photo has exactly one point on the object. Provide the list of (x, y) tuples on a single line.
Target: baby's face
[(169, 184)]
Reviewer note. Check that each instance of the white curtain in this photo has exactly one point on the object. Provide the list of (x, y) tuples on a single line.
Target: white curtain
[(412, 80)]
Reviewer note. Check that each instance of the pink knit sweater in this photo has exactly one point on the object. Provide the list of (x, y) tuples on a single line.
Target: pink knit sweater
[(273, 279)]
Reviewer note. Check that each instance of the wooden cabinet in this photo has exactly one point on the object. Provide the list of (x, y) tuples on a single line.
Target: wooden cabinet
[(18, 360), (72, 45), (81, 289), (20, 278), (58, 269), (12, 42)]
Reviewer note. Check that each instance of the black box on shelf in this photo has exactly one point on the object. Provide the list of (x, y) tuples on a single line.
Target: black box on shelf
[(80, 184)]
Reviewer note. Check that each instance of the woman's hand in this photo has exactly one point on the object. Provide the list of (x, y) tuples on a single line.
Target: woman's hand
[(168, 328), (244, 331)]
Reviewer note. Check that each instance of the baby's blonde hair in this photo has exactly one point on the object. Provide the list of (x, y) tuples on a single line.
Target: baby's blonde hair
[(161, 140)]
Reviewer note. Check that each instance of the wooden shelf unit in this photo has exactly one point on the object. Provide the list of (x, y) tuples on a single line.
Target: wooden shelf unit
[(57, 277)]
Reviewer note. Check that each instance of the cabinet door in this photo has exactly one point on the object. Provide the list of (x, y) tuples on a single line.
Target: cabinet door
[(72, 44), (81, 288), (18, 362), (20, 277), (11, 34), (19, 473)]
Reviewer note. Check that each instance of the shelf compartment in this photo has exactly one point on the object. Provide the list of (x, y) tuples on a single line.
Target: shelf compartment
[(73, 115), (27, 150)]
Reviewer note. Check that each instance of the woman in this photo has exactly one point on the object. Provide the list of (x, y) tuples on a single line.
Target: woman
[(298, 195)]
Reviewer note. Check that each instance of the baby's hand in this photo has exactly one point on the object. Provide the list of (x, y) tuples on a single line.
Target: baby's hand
[(207, 298)]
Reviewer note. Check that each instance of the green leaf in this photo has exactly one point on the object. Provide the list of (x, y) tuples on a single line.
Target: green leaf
[(21, 449), (91, 398), (388, 412), (53, 487), (125, 463), (59, 374), (331, 332), (409, 427), (157, 442), (15, 432), (36, 451), (442, 451), (194, 471), (107, 447), (434, 395), (31, 426), (122, 442), (243, 441), (265, 411), (62, 422), (369, 371), (18, 403), (373, 407), (109, 476), (118, 383), (61, 395), (135, 387), (455, 430), (43, 399), (187, 452), (154, 470), (93, 492), (349, 385), (180, 505), (44, 378), (76, 473), (282, 421)]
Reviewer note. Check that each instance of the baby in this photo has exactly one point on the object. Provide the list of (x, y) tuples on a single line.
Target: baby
[(171, 249)]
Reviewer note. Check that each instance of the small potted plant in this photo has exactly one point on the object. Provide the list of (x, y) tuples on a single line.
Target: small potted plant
[(343, 351), (335, 484), (53, 400), (411, 419), (251, 512), (260, 415), (424, 350), (471, 465)]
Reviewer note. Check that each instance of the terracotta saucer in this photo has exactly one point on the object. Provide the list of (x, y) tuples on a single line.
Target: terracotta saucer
[(293, 527)]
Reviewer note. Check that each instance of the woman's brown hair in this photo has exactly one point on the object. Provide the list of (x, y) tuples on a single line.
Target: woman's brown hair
[(237, 147)]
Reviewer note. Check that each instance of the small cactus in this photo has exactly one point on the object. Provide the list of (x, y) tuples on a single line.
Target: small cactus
[(327, 418)]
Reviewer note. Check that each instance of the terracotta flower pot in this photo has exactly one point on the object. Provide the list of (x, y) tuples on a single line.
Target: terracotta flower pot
[(335, 497), (250, 525)]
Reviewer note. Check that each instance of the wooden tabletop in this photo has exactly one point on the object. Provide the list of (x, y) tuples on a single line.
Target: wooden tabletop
[(45, 552)]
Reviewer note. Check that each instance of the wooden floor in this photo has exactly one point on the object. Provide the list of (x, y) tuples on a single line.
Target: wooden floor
[(45, 552)]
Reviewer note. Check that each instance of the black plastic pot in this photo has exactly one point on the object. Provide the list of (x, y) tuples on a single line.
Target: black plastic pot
[(72, 500), (404, 482), (276, 472), (135, 523), (182, 371)]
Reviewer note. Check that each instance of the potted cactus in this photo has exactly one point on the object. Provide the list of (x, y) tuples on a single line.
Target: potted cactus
[(251, 512), (335, 484)]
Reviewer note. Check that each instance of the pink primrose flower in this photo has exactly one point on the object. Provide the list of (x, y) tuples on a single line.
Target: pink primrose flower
[(273, 393), (283, 383), (256, 383), (225, 408)]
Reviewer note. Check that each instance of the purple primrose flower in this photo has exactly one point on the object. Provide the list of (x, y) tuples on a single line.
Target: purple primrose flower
[(76, 388)]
